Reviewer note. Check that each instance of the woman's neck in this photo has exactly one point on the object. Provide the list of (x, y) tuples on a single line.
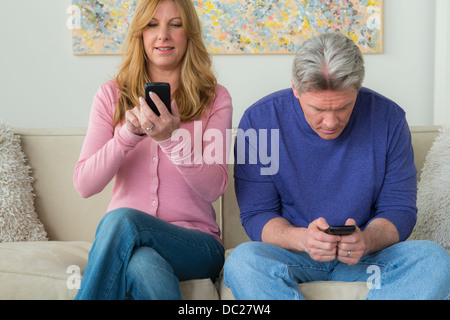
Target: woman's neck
[(172, 77)]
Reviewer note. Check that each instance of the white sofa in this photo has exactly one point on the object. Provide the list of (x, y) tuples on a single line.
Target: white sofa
[(52, 269)]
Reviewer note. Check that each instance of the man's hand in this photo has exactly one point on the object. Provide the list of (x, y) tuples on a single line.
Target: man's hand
[(319, 245), (351, 247), (313, 240)]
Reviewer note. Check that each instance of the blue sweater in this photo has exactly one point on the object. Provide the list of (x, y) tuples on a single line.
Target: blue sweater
[(368, 172)]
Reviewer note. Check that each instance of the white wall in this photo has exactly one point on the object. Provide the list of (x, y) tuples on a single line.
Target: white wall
[(442, 63), (43, 85)]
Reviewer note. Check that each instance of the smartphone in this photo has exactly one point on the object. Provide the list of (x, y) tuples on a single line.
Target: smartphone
[(341, 230), (162, 89)]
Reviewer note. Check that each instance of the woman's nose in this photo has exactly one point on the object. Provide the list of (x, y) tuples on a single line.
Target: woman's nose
[(163, 33)]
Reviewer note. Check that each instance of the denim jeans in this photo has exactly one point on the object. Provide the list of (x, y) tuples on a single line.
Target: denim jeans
[(407, 270), (138, 256)]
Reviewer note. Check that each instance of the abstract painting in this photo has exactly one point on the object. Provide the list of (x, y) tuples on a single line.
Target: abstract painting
[(274, 26), (241, 26), (103, 25)]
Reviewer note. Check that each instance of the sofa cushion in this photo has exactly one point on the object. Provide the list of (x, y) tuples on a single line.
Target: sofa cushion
[(319, 290), (18, 219), (202, 289), (52, 270), (38, 270), (433, 194)]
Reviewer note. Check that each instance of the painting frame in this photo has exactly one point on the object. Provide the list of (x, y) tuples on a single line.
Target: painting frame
[(268, 28)]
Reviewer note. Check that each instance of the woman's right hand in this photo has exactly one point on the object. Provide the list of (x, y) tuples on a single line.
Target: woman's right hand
[(132, 121)]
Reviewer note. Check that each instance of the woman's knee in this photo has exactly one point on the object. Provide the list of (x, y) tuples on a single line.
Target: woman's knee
[(146, 260), (117, 220)]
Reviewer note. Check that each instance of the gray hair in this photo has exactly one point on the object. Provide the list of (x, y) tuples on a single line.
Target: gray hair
[(330, 61)]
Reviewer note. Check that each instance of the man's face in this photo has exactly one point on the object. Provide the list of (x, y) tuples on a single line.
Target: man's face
[(326, 111)]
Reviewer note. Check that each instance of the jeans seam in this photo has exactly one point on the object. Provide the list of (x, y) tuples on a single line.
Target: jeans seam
[(123, 262)]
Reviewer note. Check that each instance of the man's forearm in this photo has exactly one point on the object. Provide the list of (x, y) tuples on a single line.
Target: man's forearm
[(281, 233), (379, 235)]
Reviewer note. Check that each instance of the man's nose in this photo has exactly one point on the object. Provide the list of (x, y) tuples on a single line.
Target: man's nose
[(330, 120)]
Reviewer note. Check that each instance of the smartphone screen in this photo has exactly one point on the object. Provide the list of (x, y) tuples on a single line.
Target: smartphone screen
[(162, 89)]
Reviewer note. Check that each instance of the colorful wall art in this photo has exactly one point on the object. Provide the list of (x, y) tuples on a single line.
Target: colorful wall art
[(241, 26), (102, 25)]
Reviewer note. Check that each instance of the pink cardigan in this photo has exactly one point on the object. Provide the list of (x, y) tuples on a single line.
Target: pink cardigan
[(146, 175)]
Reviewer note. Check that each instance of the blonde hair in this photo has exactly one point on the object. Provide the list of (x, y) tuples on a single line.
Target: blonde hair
[(198, 83)]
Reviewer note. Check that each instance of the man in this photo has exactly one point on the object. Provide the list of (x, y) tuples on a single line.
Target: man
[(345, 159)]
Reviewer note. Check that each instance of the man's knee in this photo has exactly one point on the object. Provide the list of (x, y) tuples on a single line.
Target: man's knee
[(427, 258), (245, 252), (434, 253), (245, 258), (238, 262), (426, 250)]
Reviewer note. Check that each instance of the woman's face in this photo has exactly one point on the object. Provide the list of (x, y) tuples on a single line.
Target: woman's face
[(165, 43)]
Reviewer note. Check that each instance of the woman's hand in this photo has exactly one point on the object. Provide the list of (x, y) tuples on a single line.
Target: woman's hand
[(158, 128), (132, 121)]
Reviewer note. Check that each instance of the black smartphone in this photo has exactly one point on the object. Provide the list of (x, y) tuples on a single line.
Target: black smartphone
[(341, 230), (162, 89)]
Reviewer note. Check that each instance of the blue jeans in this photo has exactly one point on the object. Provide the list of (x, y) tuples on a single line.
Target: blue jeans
[(138, 256), (407, 270)]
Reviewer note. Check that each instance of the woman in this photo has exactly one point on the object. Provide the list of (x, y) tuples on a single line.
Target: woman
[(160, 227)]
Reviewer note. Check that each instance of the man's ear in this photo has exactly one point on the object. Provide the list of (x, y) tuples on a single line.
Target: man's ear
[(296, 94)]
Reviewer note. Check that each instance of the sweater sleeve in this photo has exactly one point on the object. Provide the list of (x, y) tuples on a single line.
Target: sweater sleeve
[(204, 165), (257, 196), (396, 201), (103, 150)]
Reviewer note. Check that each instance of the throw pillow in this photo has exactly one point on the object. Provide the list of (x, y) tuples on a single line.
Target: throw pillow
[(18, 219), (433, 194)]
